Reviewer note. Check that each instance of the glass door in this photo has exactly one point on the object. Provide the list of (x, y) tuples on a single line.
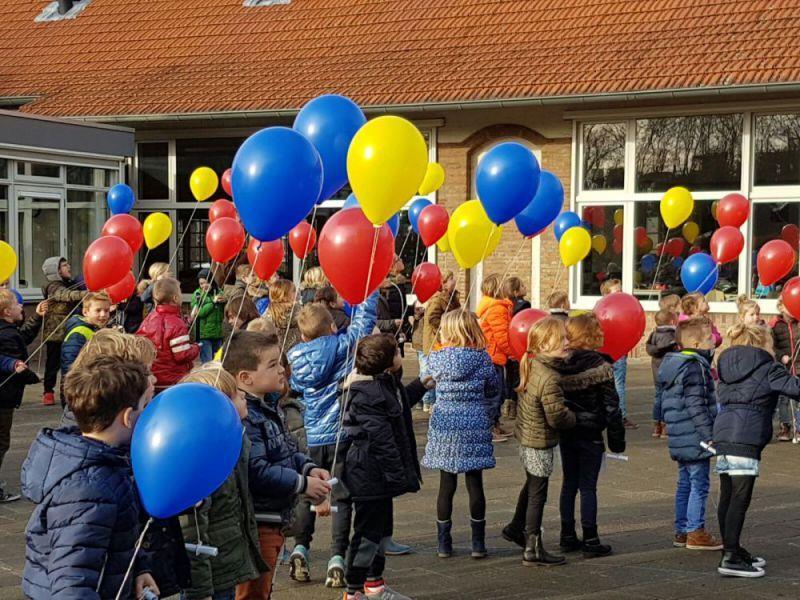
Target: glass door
[(41, 231)]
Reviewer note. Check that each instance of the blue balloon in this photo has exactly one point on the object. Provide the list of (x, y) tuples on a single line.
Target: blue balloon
[(413, 212), (699, 273), (506, 180), (648, 263), (276, 179), (18, 296), (185, 444), (544, 207), (351, 202), (120, 199), (330, 122), (393, 223), (564, 221)]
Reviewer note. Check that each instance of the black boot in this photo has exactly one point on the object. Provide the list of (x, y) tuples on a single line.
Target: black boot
[(478, 538), (591, 547), (734, 564), (535, 554), (445, 539), (569, 541), (515, 536)]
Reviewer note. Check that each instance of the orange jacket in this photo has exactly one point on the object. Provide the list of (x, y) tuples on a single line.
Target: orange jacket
[(495, 318)]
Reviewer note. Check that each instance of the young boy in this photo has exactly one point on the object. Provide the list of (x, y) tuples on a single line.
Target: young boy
[(208, 313), (319, 365), (660, 342), (278, 473), (786, 340), (80, 329), (558, 305), (14, 340), (689, 408), (169, 333), (381, 462), (81, 536)]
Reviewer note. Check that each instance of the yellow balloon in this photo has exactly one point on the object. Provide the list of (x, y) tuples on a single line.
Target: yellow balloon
[(443, 244), (574, 245), (386, 163), (599, 243), (8, 262), (676, 206), (714, 206), (434, 179), (619, 216), (157, 228), (690, 231), (203, 183), (471, 234)]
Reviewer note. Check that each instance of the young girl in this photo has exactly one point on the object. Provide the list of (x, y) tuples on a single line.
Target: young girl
[(749, 311), (281, 312), (558, 304), (328, 297), (540, 415), (786, 340), (671, 303), (459, 433), (696, 305), (314, 279), (750, 384)]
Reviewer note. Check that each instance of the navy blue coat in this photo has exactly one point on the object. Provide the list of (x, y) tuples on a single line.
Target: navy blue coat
[(86, 520), (750, 382), (14, 342), (688, 402), (78, 333)]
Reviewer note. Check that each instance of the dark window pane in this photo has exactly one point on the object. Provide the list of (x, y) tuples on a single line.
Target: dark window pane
[(33, 169), (158, 254), (772, 221), (79, 175), (605, 257), (3, 168), (214, 153), (701, 153), (192, 253), (603, 156), (4, 213), (777, 149), (153, 171)]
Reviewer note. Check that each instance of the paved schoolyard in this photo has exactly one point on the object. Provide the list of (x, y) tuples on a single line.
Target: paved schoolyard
[(635, 517)]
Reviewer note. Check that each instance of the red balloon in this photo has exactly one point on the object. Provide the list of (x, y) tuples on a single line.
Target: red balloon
[(123, 289), (106, 261), (790, 296), (775, 260), (265, 257), (302, 239), (432, 224), (220, 209), (519, 328), (618, 232), (126, 227), (346, 243), (733, 210), (617, 246), (675, 247), (640, 237), (224, 239), (726, 244), (622, 319), (226, 182), (426, 280), (791, 235), (660, 249)]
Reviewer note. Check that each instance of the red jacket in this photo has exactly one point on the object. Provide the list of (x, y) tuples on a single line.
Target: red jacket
[(170, 335), (495, 318)]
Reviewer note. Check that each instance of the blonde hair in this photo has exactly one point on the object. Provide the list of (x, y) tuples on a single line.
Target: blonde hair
[(165, 291), (314, 278), (605, 287), (263, 325), (110, 342), (751, 335), (558, 300), (584, 332), (96, 297), (544, 337), (690, 302), (670, 302), (745, 305), (157, 269), (490, 286), (460, 328), (214, 375), (314, 321), (7, 299), (693, 332), (281, 301), (665, 317)]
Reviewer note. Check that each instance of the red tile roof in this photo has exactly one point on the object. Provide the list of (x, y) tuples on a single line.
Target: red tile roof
[(129, 57)]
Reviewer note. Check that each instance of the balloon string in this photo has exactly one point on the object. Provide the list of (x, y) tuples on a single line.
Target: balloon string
[(144, 264), (447, 307), (133, 558), (513, 260), (405, 241), (483, 258), (300, 280), (660, 258), (183, 235)]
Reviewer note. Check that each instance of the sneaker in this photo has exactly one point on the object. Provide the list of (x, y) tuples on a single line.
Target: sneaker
[(629, 424), (498, 439), (334, 578), (756, 561), (656, 430), (298, 564), (385, 593), (733, 564), (679, 541), (6, 497), (48, 399), (395, 549), (700, 539), (785, 433), (796, 439)]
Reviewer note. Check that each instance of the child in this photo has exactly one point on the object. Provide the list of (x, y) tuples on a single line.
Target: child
[(381, 462), (239, 311), (96, 312), (542, 414), (14, 340), (661, 342), (671, 303), (417, 322), (169, 333), (156, 271), (263, 325), (278, 473), (313, 280), (558, 305), (688, 405), (319, 365), (331, 300), (696, 305), (459, 432), (751, 382), (749, 311), (515, 290), (281, 312), (613, 286), (130, 313), (587, 379), (81, 536), (440, 303), (490, 286), (786, 341), (244, 276), (226, 520), (207, 312)]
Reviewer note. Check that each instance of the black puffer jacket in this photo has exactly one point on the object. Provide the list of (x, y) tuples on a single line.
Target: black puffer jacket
[(587, 379), (785, 340), (660, 342), (750, 382), (381, 461), (14, 342)]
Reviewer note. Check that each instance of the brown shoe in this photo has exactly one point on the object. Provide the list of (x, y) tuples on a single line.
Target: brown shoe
[(512, 411), (497, 430), (700, 539), (629, 424), (785, 433), (656, 430), (679, 541), (664, 434)]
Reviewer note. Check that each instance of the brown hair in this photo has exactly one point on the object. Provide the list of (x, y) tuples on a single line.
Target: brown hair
[(584, 332), (511, 287), (243, 351), (101, 388), (375, 353), (166, 290), (665, 317), (745, 305), (7, 299), (96, 297), (692, 332), (214, 375), (263, 325), (460, 328), (314, 321), (558, 300), (281, 301), (109, 342), (671, 302), (690, 302), (243, 271), (605, 287), (243, 307), (751, 335), (326, 295), (490, 285), (544, 336)]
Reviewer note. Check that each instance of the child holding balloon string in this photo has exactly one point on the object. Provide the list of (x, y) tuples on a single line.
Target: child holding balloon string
[(786, 341)]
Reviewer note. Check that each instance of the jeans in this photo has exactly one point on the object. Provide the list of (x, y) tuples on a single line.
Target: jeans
[(430, 396), (270, 541), (208, 348), (691, 495), (580, 461), (735, 494), (372, 530), (785, 412), (620, 371)]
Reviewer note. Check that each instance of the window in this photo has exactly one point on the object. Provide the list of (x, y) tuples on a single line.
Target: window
[(777, 149), (192, 153), (772, 221), (153, 171), (35, 169), (605, 257), (3, 168), (192, 254), (89, 177), (85, 216), (4, 213), (701, 153), (39, 227), (603, 156)]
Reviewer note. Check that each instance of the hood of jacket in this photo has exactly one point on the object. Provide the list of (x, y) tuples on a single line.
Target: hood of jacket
[(58, 453), (583, 368), (675, 362), (661, 341), (738, 363), (50, 268)]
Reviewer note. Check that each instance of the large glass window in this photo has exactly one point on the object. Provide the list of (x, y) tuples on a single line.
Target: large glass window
[(605, 225), (701, 153), (192, 153), (192, 253), (90, 177), (604, 156), (84, 220), (4, 213), (772, 221), (39, 231), (153, 171), (777, 149), (35, 169), (3, 168)]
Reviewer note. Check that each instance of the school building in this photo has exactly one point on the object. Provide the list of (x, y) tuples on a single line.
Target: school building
[(621, 99)]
